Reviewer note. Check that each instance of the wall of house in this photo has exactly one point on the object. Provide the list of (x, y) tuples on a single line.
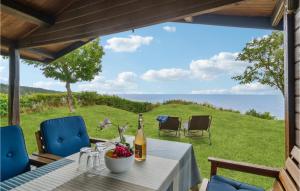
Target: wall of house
[(297, 75)]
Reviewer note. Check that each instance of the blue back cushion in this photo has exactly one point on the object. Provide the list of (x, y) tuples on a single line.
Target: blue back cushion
[(64, 136), (14, 157)]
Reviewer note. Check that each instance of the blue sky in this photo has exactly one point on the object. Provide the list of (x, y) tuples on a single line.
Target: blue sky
[(164, 58)]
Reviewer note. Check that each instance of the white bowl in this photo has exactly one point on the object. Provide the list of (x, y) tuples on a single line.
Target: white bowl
[(119, 165)]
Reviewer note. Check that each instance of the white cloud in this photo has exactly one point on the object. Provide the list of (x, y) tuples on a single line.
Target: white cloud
[(48, 84), (130, 44), (253, 88), (165, 74), (210, 91), (3, 75), (169, 28), (223, 63), (124, 83)]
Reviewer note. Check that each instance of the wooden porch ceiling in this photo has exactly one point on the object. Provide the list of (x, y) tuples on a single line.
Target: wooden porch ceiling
[(45, 30)]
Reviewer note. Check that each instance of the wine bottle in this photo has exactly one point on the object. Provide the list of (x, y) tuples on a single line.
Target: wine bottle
[(140, 141)]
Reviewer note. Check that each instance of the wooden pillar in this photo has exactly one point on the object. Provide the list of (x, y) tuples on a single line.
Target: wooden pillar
[(14, 86), (289, 79)]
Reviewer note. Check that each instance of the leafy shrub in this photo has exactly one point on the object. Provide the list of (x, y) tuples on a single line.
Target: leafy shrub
[(3, 104), (178, 101), (41, 102), (86, 98), (205, 104), (117, 102), (265, 115)]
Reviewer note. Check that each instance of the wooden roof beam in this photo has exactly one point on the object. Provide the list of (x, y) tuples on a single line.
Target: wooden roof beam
[(71, 47), (105, 17), (42, 52), (7, 42), (278, 12), (26, 13), (234, 21)]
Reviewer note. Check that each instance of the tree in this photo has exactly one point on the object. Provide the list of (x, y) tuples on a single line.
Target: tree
[(82, 64), (266, 58)]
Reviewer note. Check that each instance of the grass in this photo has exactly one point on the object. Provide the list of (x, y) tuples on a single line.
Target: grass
[(234, 136)]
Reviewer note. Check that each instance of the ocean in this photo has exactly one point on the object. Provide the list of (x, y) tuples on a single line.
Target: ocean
[(261, 103)]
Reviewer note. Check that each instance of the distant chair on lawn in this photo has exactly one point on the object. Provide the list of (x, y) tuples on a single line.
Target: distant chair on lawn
[(196, 124), (169, 124)]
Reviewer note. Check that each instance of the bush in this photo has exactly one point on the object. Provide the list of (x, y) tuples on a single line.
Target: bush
[(265, 115), (205, 104), (86, 98), (3, 104), (41, 102), (117, 102), (178, 101)]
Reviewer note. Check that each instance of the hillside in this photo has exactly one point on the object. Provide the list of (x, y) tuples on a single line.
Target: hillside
[(234, 136), (26, 90)]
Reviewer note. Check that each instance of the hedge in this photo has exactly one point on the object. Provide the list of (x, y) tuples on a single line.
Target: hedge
[(40, 102)]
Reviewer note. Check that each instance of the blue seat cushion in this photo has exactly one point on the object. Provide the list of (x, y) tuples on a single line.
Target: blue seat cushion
[(220, 183), (14, 157), (64, 136)]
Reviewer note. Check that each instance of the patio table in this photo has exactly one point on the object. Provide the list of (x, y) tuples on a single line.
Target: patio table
[(170, 166)]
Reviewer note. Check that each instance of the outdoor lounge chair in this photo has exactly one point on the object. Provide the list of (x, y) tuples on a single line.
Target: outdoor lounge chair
[(14, 157), (171, 124), (62, 137), (286, 179), (198, 123)]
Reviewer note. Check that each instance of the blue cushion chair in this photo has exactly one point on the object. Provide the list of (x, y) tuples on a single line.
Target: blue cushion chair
[(14, 157), (61, 137), (225, 184), (286, 178)]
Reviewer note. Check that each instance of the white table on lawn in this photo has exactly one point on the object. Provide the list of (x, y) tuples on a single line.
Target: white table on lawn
[(170, 166)]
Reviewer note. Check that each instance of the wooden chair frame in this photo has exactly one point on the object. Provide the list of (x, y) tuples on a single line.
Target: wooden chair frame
[(189, 133), (51, 157), (286, 179), (38, 160), (177, 131)]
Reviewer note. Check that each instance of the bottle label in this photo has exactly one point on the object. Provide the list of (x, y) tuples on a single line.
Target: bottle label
[(138, 151)]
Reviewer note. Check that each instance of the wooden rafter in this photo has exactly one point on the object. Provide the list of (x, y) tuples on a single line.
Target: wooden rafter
[(26, 13), (278, 12), (71, 47), (234, 21), (42, 52), (106, 17)]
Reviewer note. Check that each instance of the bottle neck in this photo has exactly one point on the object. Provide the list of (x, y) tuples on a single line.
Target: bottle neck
[(140, 122), (140, 125)]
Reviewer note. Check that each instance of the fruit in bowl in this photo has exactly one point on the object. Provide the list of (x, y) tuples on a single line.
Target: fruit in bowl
[(119, 159)]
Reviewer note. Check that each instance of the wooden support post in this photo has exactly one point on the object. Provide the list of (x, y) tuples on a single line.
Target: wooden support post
[(14, 86), (289, 80)]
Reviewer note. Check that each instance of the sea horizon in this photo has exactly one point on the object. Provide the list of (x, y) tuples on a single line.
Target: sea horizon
[(273, 103)]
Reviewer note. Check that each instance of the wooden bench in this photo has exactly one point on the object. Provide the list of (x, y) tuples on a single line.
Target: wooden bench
[(286, 179), (48, 156)]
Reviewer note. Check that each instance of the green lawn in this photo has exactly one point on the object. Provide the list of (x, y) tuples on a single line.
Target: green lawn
[(234, 136)]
